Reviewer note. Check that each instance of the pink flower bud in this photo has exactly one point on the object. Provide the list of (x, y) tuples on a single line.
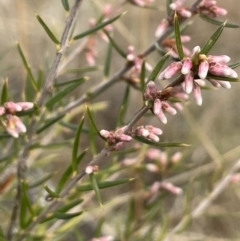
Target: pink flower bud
[(221, 69), (187, 65), (171, 188), (163, 159), (151, 90), (152, 167), (153, 137), (188, 82), (197, 94), (153, 153), (26, 105), (129, 161), (12, 107), (225, 84), (157, 106), (203, 69), (172, 70), (218, 58), (184, 13), (14, 126), (196, 50), (2, 110), (105, 133), (89, 170), (161, 28), (155, 187), (185, 38), (154, 130), (219, 11), (124, 137), (176, 157), (168, 108), (214, 82)]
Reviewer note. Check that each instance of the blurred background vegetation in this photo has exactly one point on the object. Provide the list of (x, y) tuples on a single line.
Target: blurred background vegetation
[(213, 129)]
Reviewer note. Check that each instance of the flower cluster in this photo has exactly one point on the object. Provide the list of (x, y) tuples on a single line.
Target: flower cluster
[(13, 123), (149, 132), (116, 137), (160, 105), (200, 67), (210, 9)]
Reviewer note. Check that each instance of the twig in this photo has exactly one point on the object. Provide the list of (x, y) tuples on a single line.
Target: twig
[(202, 207), (21, 166)]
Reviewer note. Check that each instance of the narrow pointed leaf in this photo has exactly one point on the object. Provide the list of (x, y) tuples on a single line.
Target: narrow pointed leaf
[(90, 116), (213, 39), (98, 229), (40, 79), (52, 145), (22, 213), (235, 65), (96, 28), (69, 206), (51, 192), (66, 216), (26, 198), (123, 108), (79, 81), (211, 76), (115, 45), (142, 76), (60, 95), (92, 140), (49, 123), (178, 37), (73, 127), (217, 22), (169, 10), (84, 69), (107, 64), (65, 5), (95, 187), (47, 30), (76, 146), (68, 173), (41, 181), (105, 184), (4, 95), (157, 68), (28, 69), (160, 144), (30, 91)]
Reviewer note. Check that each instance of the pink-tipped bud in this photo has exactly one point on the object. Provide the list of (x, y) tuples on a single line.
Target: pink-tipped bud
[(168, 108), (171, 188), (157, 106), (107, 9), (197, 94), (176, 157), (12, 107), (188, 82), (155, 187), (150, 91), (162, 117), (225, 84), (129, 161), (208, 4), (141, 131), (163, 159), (184, 13), (2, 110), (203, 69), (153, 153), (172, 70), (196, 51), (153, 137), (124, 138), (161, 28), (218, 58), (221, 69), (152, 167), (20, 127), (90, 58), (130, 57), (105, 133), (154, 130), (187, 65), (26, 105), (219, 11), (214, 82), (89, 170), (185, 38)]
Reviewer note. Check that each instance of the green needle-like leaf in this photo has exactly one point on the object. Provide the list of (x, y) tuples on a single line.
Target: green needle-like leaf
[(213, 39), (142, 76), (4, 95), (123, 108), (95, 187), (177, 33), (51, 192), (105, 184), (47, 30), (234, 65), (76, 146), (26, 198), (65, 5), (60, 95), (49, 123), (41, 181), (115, 45), (211, 76), (108, 61), (68, 173), (217, 22), (28, 69), (69, 206), (159, 144), (157, 68), (90, 116), (97, 27), (66, 216), (79, 81), (169, 10)]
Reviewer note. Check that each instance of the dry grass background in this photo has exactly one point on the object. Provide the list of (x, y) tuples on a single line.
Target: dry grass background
[(213, 129)]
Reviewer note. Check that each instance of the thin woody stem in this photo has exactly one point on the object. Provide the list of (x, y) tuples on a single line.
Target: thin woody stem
[(21, 166)]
